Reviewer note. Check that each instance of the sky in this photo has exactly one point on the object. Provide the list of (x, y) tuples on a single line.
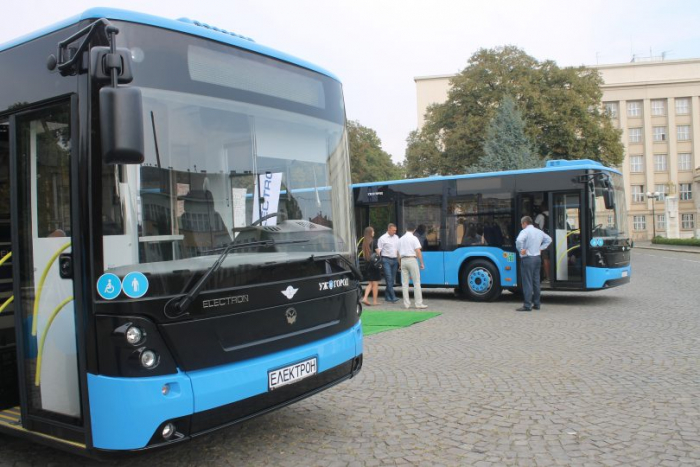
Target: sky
[(378, 47)]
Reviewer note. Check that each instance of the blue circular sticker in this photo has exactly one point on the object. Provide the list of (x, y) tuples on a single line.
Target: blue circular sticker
[(135, 285), (109, 286)]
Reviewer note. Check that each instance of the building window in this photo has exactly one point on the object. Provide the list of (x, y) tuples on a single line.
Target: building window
[(611, 109), (683, 106), (636, 164), (659, 133), (635, 135), (687, 221), (683, 132), (661, 222), (660, 163), (685, 191), (658, 107), (637, 193), (662, 190), (639, 222), (684, 161), (634, 109)]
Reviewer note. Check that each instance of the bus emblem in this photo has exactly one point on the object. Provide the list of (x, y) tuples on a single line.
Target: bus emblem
[(291, 315), (289, 292)]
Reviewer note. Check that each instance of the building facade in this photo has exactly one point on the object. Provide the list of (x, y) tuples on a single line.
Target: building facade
[(656, 104)]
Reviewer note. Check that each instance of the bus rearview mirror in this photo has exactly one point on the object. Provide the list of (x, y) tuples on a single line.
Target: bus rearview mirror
[(121, 125), (609, 198)]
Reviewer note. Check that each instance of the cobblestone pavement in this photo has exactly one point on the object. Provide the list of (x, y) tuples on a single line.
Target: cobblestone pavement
[(607, 378)]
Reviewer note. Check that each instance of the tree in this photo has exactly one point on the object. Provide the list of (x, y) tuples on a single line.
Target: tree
[(560, 106), (368, 161), (506, 146)]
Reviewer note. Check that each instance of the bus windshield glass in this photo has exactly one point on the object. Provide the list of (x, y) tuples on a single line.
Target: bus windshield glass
[(222, 170), (608, 220)]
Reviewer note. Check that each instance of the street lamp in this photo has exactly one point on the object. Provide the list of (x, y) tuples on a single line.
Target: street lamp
[(653, 196)]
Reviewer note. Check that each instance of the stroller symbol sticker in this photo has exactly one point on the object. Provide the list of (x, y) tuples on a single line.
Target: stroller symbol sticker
[(109, 286)]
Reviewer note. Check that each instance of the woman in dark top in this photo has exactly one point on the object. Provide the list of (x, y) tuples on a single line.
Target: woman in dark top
[(372, 274)]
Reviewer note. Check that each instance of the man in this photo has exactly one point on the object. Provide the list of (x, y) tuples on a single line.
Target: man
[(411, 264), (530, 243), (388, 249)]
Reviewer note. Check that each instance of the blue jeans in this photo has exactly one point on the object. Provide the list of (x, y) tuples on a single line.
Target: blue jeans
[(391, 265), (530, 274)]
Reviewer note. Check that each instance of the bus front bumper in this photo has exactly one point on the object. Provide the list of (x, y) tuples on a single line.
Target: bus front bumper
[(131, 413)]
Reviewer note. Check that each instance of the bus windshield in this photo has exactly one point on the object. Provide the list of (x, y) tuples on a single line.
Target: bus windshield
[(221, 171), (611, 220)]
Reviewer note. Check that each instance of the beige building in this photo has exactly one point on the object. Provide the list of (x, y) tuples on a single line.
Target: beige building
[(657, 106)]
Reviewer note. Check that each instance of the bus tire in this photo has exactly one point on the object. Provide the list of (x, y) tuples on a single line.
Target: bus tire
[(481, 281)]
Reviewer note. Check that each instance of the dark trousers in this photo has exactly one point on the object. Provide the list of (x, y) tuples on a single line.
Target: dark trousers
[(391, 265), (530, 274)]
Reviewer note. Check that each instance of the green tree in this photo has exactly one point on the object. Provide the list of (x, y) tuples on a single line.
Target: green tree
[(507, 147), (368, 161), (560, 107)]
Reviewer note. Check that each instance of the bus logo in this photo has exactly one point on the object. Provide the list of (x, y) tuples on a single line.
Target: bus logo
[(289, 292), (291, 315)]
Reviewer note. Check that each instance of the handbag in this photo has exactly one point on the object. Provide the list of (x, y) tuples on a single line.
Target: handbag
[(375, 261)]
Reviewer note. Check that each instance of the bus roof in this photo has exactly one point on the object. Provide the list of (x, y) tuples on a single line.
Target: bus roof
[(560, 165), (183, 25)]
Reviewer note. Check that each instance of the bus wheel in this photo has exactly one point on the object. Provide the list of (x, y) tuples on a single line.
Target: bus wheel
[(481, 281)]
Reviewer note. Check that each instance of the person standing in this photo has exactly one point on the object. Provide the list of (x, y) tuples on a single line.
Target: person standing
[(388, 248), (530, 243), (371, 274), (411, 264)]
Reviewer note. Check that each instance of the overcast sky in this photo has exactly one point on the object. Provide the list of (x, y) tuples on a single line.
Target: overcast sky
[(377, 47)]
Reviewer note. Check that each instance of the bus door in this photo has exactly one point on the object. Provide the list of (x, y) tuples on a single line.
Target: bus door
[(567, 254), (43, 288)]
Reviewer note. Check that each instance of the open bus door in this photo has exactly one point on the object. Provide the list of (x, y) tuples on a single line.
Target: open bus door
[(568, 260), (45, 367)]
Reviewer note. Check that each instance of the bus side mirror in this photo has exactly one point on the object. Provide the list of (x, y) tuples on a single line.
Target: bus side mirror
[(609, 198), (121, 125)]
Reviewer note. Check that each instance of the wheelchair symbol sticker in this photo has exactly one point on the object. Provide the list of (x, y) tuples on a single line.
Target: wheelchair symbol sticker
[(135, 285), (109, 286)]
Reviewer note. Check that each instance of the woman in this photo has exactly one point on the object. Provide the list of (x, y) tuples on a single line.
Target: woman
[(372, 274)]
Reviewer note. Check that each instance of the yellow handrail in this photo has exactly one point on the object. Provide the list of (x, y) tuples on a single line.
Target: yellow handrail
[(7, 303), (563, 255), (40, 286), (5, 258), (37, 377)]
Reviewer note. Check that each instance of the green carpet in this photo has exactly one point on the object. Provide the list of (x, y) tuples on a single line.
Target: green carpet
[(380, 321)]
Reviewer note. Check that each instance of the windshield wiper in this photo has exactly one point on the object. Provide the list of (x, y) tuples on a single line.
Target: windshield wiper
[(177, 306)]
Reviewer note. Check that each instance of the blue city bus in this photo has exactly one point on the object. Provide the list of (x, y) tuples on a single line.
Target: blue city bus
[(176, 232), (468, 225)]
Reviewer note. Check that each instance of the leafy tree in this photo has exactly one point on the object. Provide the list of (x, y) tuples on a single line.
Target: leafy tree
[(368, 161), (506, 146), (560, 106)]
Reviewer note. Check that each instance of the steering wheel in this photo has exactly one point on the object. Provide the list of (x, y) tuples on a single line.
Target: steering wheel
[(264, 218), (598, 227)]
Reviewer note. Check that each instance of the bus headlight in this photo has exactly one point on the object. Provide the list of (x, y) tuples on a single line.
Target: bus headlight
[(168, 431), (134, 335), (149, 359)]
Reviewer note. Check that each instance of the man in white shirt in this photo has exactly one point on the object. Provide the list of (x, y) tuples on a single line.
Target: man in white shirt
[(530, 243), (388, 249), (411, 264)]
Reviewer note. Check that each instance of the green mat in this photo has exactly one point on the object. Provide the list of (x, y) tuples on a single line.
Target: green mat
[(380, 321)]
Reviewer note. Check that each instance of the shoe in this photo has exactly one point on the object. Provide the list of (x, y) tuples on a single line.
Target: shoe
[(522, 308), (366, 303), (394, 300), (535, 307), (407, 307), (421, 307)]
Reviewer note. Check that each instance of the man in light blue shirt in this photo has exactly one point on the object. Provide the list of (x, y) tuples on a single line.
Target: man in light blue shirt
[(530, 242)]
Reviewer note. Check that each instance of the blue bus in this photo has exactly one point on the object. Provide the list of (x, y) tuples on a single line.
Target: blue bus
[(468, 225), (169, 264)]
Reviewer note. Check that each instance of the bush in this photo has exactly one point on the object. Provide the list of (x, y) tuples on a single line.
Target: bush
[(677, 241)]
